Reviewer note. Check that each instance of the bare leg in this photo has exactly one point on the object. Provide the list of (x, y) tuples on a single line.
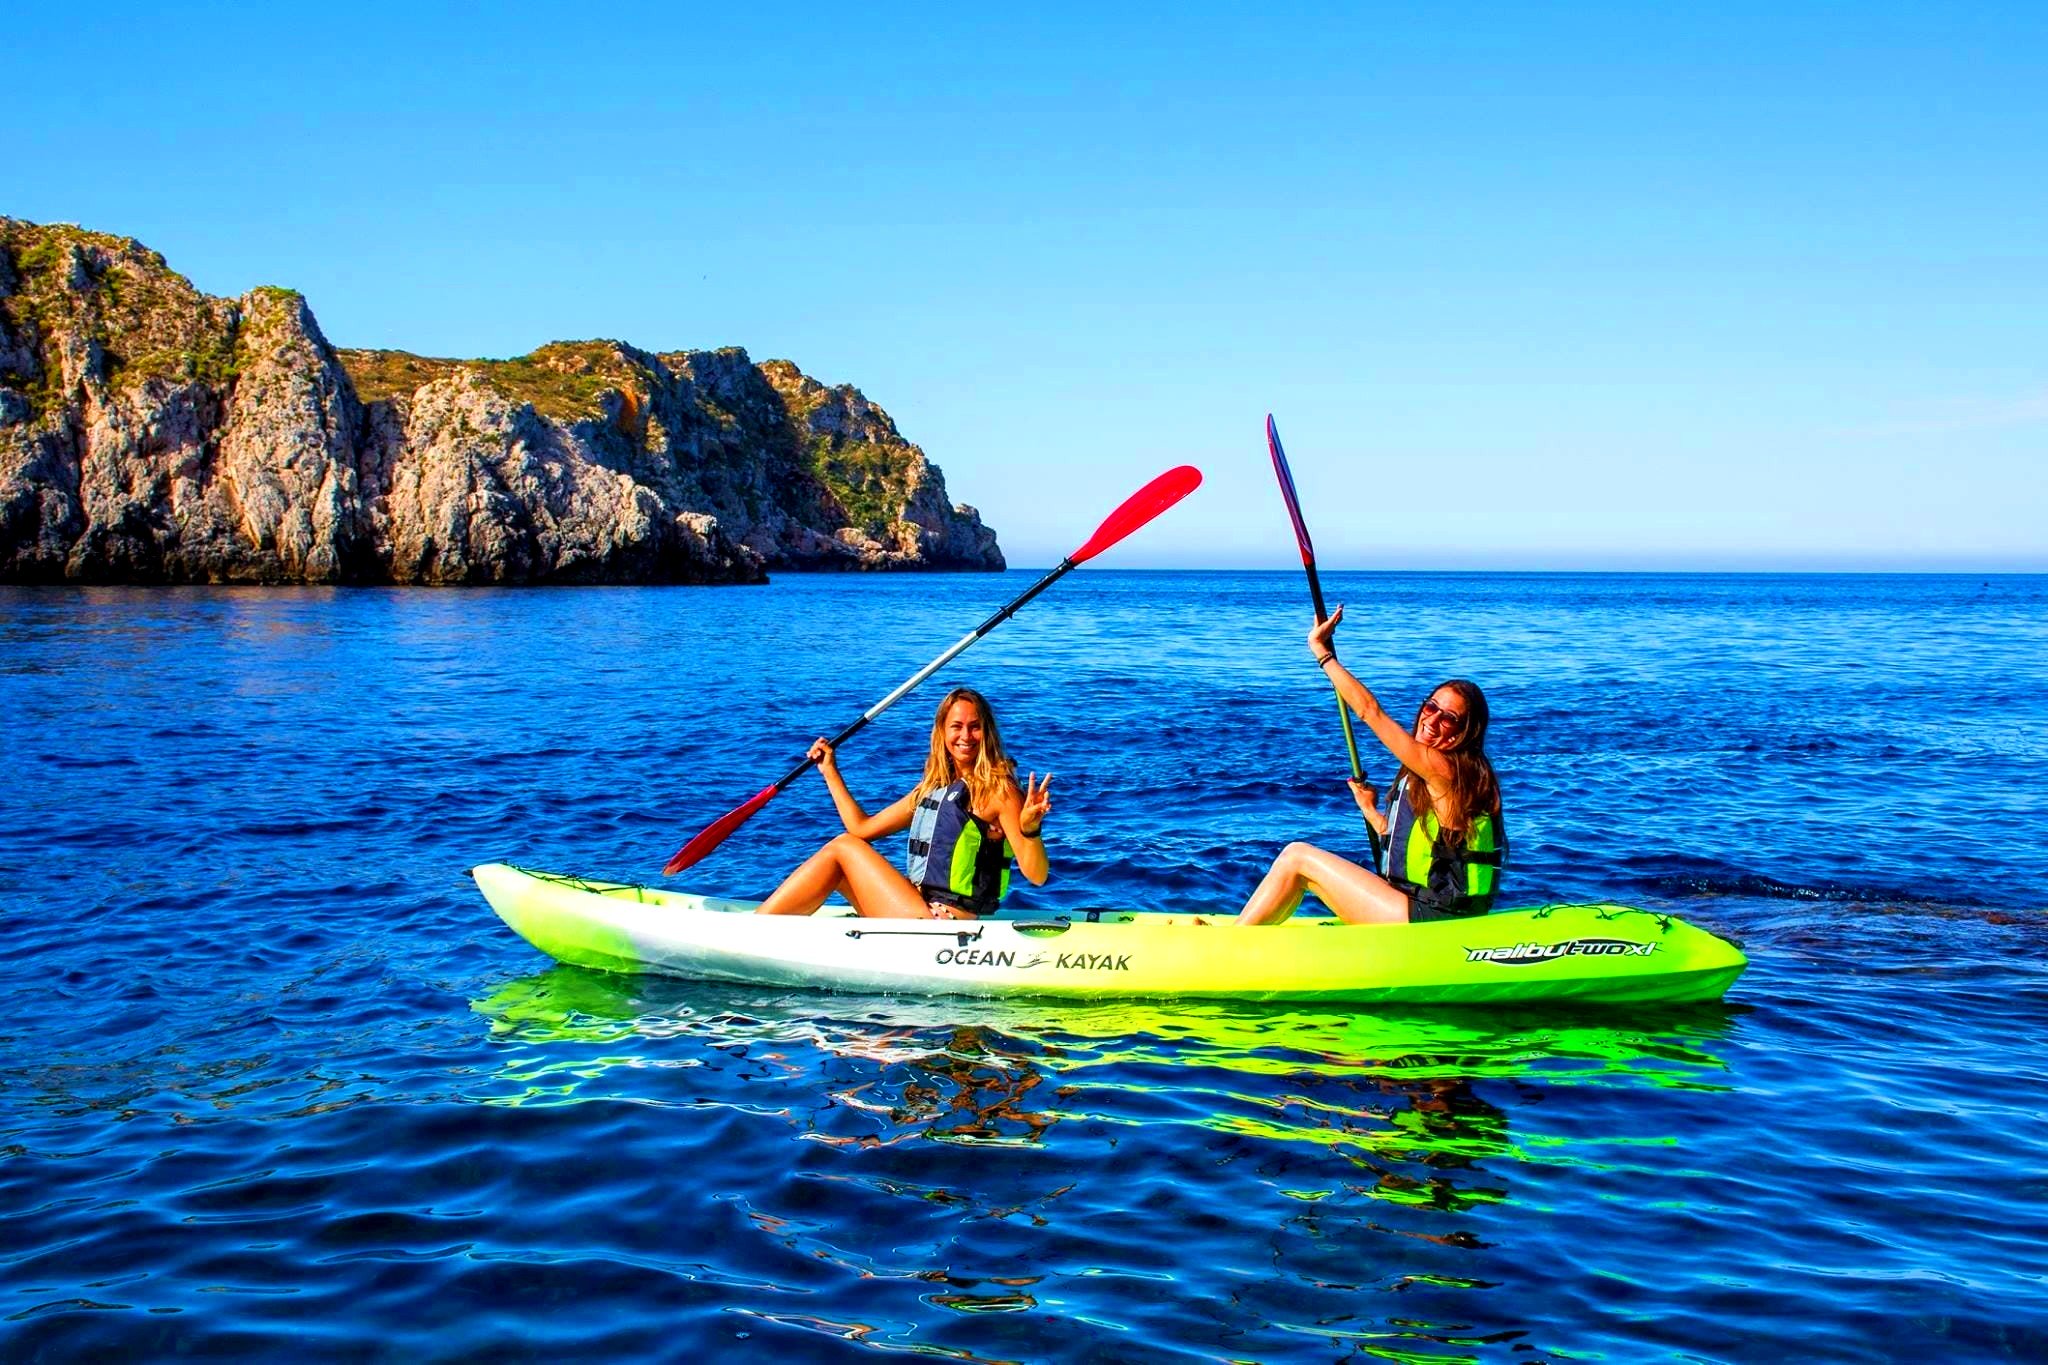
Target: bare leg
[(874, 886), (1353, 893), (805, 889), (851, 867), (1278, 894)]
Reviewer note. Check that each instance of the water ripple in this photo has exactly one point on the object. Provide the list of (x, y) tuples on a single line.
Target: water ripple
[(275, 1082)]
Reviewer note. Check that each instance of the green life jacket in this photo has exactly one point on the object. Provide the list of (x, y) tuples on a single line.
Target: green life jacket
[(954, 858), (1451, 874)]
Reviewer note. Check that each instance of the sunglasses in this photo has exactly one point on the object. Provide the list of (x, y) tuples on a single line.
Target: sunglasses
[(1454, 720)]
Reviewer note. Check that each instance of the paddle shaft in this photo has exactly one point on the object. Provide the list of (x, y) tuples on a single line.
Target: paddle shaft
[(1315, 592), (1135, 511), (1372, 836), (955, 651)]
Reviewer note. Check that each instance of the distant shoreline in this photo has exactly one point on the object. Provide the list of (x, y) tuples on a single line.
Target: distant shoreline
[(906, 578), (150, 433)]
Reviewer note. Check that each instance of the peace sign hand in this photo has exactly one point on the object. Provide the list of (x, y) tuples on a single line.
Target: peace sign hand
[(1037, 801)]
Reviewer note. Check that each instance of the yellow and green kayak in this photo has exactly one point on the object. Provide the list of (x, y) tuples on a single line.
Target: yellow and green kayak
[(1587, 953)]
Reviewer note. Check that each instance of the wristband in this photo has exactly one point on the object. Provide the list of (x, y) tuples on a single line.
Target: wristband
[(1324, 662)]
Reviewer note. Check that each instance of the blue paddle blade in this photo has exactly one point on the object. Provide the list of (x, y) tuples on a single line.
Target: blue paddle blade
[(1286, 477)]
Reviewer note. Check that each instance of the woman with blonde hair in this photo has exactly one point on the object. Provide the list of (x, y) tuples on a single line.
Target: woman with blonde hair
[(967, 819), (1445, 836)]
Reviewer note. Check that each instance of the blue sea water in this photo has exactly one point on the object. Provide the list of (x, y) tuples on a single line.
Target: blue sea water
[(273, 1079)]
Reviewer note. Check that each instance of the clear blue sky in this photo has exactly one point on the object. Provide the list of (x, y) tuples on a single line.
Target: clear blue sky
[(1724, 285)]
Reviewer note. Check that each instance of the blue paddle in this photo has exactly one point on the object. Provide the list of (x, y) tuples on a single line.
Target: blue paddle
[(1315, 592)]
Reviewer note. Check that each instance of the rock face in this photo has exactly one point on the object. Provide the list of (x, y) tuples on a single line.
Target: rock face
[(152, 434)]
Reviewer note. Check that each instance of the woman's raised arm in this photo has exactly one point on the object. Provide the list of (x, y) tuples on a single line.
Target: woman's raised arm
[(1409, 752), (858, 822)]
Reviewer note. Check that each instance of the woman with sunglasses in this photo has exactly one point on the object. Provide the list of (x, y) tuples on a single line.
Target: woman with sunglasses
[(1445, 839)]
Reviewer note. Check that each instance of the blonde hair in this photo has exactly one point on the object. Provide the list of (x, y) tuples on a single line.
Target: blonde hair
[(993, 769)]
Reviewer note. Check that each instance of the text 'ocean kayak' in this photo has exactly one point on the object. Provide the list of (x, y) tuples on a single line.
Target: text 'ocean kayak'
[(1601, 953)]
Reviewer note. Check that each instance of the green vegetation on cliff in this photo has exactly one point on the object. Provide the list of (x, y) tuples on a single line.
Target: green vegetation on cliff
[(381, 375), (171, 436), (866, 479), (566, 381), (563, 380), (146, 320)]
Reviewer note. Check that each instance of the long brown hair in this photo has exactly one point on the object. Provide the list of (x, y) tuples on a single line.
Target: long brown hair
[(1473, 790), (993, 769)]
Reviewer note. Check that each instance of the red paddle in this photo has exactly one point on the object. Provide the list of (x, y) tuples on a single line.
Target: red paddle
[(1141, 507)]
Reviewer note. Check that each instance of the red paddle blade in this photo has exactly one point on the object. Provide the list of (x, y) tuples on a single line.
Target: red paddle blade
[(714, 834), (1286, 477), (1139, 508)]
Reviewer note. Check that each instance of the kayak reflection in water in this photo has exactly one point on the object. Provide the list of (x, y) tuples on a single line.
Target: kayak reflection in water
[(967, 818), (1444, 835)]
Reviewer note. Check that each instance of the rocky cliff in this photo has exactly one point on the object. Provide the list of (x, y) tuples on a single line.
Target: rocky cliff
[(152, 434)]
